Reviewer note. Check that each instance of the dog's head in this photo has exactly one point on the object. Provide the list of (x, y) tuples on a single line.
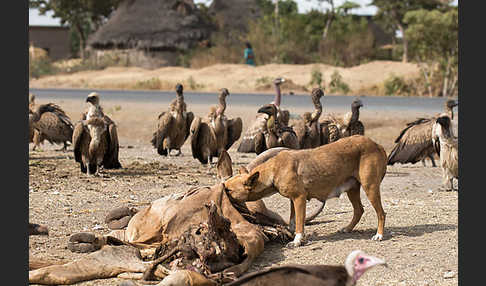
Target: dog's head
[(243, 187)]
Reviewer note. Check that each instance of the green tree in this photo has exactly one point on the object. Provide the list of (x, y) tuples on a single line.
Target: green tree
[(391, 13), (433, 37), (84, 16)]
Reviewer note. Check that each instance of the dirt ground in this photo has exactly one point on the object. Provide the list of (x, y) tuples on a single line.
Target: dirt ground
[(421, 231), (236, 77)]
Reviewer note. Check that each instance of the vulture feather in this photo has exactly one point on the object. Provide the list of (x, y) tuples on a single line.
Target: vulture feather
[(212, 135), (49, 122), (90, 144), (173, 126), (414, 143), (253, 138), (349, 123), (446, 145), (277, 135), (110, 134), (308, 129), (356, 263)]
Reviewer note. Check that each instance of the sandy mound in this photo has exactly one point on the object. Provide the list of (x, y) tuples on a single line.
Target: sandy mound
[(235, 77)]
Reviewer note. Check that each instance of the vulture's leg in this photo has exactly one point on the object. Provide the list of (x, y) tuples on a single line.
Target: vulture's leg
[(92, 168), (83, 168), (432, 160), (423, 162)]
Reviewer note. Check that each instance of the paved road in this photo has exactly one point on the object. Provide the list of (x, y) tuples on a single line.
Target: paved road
[(379, 103)]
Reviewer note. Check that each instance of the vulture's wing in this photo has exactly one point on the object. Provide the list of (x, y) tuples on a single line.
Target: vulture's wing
[(166, 121), (284, 117), (412, 143), (235, 126), (199, 130), (189, 119), (78, 134), (154, 135), (357, 128), (110, 160), (311, 275), (247, 144), (435, 138)]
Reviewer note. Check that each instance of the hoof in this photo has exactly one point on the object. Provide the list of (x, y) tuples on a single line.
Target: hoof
[(83, 242)]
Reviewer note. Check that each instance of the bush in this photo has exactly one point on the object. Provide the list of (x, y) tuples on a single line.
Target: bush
[(396, 85), (337, 85), (316, 77), (40, 67)]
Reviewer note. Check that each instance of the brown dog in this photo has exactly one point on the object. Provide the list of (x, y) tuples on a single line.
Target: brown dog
[(322, 173)]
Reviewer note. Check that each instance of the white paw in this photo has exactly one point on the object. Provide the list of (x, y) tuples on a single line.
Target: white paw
[(377, 236), (298, 239)]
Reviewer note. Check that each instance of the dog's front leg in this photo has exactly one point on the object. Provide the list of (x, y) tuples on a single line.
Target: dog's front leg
[(299, 204)]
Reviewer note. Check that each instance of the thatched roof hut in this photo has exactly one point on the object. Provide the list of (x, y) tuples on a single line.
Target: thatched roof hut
[(168, 26)]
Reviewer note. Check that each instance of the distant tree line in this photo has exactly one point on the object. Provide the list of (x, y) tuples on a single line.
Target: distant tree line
[(428, 32)]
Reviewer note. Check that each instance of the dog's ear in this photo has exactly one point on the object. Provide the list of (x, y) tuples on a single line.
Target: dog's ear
[(252, 179), (243, 170), (224, 168)]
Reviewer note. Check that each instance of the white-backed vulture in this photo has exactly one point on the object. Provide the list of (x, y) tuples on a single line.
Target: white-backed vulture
[(308, 129), (275, 134), (348, 124), (210, 136), (173, 126), (255, 131), (90, 143), (49, 122), (94, 110), (446, 146), (415, 141)]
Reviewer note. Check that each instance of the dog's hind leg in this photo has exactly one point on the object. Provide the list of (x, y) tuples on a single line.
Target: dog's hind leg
[(358, 210), (373, 193)]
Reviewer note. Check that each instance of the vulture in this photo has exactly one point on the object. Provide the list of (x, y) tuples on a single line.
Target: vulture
[(212, 135), (95, 139), (356, 263), (348, 124), (173, 126), (415, 141), (259, 125), (49, 122), (445, 145), (308, 129), (276, 134)]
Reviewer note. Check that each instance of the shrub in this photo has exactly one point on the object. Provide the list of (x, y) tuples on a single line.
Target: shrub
[(316, 77), (337, 85), (396, 85)]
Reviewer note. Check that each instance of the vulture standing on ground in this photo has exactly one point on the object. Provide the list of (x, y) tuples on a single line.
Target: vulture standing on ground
[(259, 125), (49, 122), (348, 274), (95, 139), (275, 135), (173, 126), (336, 127), (210, 136), (415, 141), (308, 129), (445, 145)]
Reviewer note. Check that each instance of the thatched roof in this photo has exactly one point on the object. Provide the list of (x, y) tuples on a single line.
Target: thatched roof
[(164, 25), (234, 14)]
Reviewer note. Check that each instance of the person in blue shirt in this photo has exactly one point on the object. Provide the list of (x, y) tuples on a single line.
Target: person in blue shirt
[(249, 55)]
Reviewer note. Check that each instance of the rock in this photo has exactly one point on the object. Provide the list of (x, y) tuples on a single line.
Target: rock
[(449, 274)]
